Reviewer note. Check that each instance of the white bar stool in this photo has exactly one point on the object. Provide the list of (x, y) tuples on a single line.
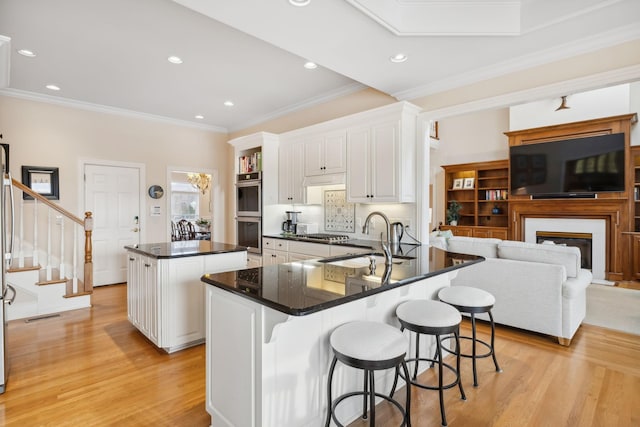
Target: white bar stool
[(471, 300), (369, 346), (432, 318)]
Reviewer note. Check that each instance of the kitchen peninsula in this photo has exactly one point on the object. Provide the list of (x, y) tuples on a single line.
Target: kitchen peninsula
[(268, 353), (164, 291)]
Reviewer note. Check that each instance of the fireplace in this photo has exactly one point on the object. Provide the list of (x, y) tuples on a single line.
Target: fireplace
[(582, 241), (590, 233)]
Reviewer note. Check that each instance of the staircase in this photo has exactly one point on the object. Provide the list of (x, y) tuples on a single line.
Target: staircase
[(45, 270)]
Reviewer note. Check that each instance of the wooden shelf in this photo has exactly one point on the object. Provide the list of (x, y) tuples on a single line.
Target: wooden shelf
[(476, 218)]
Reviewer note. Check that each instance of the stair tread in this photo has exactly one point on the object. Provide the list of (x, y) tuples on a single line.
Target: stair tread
[(28, 265), (55, 277)]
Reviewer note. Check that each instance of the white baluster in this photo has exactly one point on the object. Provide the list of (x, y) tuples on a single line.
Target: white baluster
[(74, 281), (20, 242), (62, 270), (36, 261), (48, 244)]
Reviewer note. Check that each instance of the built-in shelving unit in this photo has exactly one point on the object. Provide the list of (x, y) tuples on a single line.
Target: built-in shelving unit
[(482, 191)]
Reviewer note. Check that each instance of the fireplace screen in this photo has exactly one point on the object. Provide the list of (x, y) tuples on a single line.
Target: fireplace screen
[(582, 241)]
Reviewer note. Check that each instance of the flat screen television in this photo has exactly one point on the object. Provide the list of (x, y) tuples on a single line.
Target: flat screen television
[(569, 168)]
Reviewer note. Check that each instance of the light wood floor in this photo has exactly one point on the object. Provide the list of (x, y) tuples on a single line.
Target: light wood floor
[(91, 367)]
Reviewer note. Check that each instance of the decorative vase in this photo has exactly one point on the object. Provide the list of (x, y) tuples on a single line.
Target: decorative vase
[(453, 222), (496, 210)]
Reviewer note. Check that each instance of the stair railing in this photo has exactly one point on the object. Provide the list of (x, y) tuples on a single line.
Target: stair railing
[(77, 287)]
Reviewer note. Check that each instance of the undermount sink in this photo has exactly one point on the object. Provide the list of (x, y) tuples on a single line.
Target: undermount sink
[(359, 261)]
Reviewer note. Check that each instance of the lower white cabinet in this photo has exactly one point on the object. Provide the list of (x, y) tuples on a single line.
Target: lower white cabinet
[(165, 297), (279, 251)]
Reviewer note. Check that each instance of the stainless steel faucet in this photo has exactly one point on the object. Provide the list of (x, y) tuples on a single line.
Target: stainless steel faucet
[(386, 248)]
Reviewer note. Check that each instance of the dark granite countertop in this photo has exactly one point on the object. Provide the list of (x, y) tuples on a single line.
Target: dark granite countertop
[(305, 287), (184, 248)]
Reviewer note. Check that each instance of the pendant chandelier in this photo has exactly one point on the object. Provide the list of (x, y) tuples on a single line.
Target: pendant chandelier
[(200, 181)]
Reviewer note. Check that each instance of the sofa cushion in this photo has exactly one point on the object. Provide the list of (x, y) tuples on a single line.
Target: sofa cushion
[(568, 256), (485, 247)]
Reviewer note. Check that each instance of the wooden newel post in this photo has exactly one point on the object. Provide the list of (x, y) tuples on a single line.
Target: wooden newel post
[(88, 255)]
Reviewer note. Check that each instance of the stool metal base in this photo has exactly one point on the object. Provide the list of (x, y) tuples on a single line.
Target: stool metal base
[(369, 394), (474, 340)]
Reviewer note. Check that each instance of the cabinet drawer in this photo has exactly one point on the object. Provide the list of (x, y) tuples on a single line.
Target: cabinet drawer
[(275, 244), (315, 249)]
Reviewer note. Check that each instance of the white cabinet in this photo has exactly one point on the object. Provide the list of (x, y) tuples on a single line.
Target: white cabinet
[(274, 251), (279, 251), (142, 295), (165, 296), (291, 173), (381, 159), (325, 154)]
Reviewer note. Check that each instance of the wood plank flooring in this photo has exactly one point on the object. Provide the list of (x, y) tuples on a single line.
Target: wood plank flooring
[(92, 368)]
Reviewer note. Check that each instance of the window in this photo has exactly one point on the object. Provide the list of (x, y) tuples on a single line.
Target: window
[(185, 202)]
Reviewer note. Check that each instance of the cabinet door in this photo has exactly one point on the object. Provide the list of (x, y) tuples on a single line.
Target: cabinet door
[(270, 257), (291, 174), (152, 293), (335, 152), (384, 162), (358, 159), (314, 156), (133, 288)]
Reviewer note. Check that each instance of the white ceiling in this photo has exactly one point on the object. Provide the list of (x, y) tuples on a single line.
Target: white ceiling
[(112, 54)]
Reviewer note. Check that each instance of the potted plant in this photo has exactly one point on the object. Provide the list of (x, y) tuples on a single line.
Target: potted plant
[(453, 212), (203, 223)]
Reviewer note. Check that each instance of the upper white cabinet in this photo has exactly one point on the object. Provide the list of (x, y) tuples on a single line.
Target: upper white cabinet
[(291, 173), (325, 154), (381, 158)]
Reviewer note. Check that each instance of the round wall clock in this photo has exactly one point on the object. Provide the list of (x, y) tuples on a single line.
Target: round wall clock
[(156, 192)]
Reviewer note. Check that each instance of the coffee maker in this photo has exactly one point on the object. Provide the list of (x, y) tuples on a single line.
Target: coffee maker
[(290, 225)]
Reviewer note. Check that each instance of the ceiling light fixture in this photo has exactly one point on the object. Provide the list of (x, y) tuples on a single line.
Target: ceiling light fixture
[(26, 52), (199, 117), (563, 104), (299, 3), (310, 65), (53, 87), (399, 57), (174, 60), (228, 103), (200, 181)]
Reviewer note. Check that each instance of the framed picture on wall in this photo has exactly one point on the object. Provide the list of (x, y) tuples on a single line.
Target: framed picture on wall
[(42, 180)]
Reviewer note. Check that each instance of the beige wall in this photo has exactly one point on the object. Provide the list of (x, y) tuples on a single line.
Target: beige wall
[(41, 134)]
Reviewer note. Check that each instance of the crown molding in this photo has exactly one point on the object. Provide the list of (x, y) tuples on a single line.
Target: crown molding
[(87, 106), (311, 102), (556, 53)]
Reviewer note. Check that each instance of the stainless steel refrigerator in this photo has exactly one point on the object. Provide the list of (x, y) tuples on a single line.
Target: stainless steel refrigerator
[(6, 238)]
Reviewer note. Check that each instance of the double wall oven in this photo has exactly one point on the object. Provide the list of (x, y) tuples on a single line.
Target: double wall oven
[(249, 211)]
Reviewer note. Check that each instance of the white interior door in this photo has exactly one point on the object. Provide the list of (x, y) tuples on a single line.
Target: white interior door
[(112, 193)]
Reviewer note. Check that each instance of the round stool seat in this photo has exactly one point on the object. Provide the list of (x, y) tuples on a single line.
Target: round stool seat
[(369, 341), (467, 297), (428, 313)]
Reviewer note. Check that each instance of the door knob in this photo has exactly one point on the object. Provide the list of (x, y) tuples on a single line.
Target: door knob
[(135, 230)]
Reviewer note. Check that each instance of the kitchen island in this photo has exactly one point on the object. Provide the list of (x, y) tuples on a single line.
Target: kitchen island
[(165, 297), (268, 352)]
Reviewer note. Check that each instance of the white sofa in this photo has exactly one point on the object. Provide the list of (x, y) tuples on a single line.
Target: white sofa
[(538, 287)]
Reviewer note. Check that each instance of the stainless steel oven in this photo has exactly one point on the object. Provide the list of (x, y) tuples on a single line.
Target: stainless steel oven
[(249, 194), (249, 232)]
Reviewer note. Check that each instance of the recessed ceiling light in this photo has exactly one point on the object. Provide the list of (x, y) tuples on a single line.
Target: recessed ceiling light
[(26, 52), (299, 3), (199, 117), (310, 65), (53, 87), (399, 57), (229, 103), (174, 60)]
